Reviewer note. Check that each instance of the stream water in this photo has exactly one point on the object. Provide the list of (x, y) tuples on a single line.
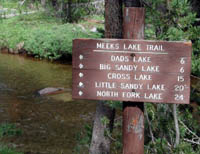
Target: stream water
[(49, 124)]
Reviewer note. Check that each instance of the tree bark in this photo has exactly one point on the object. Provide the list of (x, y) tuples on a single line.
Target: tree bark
[(100, 143), (113, 17), (69, 12), (43, 3), (196, 6)]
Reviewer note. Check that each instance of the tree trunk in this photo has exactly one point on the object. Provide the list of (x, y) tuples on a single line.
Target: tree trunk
[(54, 3), (69, 12), (43, 3), (196, 8), (113, 17), (100, 143)]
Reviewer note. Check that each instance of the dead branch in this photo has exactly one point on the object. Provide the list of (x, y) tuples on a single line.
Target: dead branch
[(195, 139), (149, 123), (176, 125)]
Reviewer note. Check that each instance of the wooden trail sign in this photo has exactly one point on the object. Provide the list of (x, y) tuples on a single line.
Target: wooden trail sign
[(132, 70)]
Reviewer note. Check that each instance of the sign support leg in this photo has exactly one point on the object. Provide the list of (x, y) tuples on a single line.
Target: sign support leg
[(133, 112)]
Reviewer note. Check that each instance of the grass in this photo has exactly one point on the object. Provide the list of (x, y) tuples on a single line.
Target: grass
[(42, 35), (15, 4), (8, 130), (11, 4), (6, 150), (93, 21), (17, 29), (12, 7)]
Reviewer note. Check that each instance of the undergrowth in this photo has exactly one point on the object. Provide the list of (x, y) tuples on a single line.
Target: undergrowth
[(8, 130), (41, 35), (6, 150)]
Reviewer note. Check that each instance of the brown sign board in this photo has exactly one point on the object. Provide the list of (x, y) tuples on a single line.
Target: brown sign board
[(131, 70)]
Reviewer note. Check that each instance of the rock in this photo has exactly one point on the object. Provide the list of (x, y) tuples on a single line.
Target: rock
[(13, 10), (4, 50), (94, 29), (81, 26), (13, 51), (50, 91), (3, 86), (19, 47)]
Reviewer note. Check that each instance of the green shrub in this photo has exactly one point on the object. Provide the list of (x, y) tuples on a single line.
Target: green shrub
[(77, 14), (43, 36), (83, 139), (17, 29), (7, 129), (176, 22), (54, 42), (7, 150)]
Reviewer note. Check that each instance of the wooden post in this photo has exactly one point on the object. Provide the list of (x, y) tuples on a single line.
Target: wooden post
[(133, 112)]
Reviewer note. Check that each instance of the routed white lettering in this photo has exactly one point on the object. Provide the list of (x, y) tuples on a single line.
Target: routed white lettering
[(108, 85), (107, 94), (103, 45), (104, 67), (131, 86), (143, 77), (130, 94), (119, 76), (126, 67), (142, 59), (154, 96), (160, 87), (150, 68), (119, 58), (132, 47), (155, 48)]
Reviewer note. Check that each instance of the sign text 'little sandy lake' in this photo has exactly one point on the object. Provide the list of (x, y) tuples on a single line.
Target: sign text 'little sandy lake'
[(131, 70)]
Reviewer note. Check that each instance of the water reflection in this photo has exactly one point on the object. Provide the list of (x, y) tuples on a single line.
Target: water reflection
[(50, 123)]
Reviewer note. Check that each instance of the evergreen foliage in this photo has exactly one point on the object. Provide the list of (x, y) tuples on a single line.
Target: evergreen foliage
[(173, 20), (70, 10)]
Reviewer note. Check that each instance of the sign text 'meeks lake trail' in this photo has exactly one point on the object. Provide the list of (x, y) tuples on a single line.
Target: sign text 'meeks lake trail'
[(132, 70)]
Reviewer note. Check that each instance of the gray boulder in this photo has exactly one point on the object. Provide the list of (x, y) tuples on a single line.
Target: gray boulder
[(50, 91)]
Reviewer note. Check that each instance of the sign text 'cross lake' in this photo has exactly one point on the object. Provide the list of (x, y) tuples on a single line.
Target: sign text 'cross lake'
[(131, 70)]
